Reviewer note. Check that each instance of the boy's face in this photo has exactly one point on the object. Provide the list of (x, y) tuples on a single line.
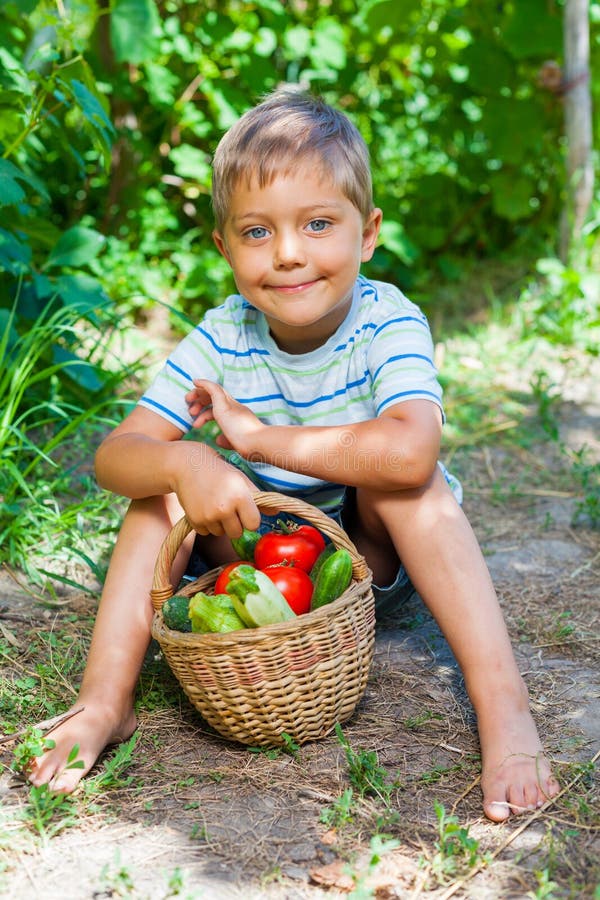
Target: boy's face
[(295, 247)]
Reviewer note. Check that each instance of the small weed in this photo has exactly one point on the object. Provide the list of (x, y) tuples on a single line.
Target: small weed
[(545, 887), (176, 882), (215, 776), (190, 781), (199, 832), (436, 773), (364, 771), (544, 393), (379, 846), (47, 814), (112, 776), (413, 723), (456, 851), (116, 881), (340, 812), (561, 628), (588, 475), (289, 746), (33, 744)]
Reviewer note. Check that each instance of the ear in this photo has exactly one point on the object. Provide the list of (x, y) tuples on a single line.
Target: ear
[(370, 234), (221, 245)]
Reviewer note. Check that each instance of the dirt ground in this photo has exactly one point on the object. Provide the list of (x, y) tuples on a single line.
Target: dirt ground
[(203, 818)]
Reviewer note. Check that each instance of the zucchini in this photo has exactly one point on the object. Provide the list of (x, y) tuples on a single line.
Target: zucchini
[(214, 612), (255, 598), (333, 578)]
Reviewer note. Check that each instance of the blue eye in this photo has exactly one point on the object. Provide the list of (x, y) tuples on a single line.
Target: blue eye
[(257, 232), (318, 225)]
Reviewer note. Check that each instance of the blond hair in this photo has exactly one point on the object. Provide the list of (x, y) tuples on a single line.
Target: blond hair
[(289, 127)]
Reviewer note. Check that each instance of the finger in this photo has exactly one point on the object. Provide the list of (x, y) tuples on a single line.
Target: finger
[(222, 441), (202, 419), (249, 513)]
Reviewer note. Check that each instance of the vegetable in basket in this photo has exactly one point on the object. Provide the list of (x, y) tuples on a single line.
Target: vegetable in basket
[(332, 579), (294, 584), (214, 612), (292, 547), (176, 613), (256, 599), (245, 544)]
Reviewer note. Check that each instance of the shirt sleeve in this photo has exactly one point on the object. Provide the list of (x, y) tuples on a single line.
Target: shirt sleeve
[(400, 359), (196, 356)]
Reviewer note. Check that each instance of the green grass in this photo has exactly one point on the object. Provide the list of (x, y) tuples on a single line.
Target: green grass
[(55, 406)]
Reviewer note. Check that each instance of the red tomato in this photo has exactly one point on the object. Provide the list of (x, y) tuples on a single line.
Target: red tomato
[(294, 584), (274, 548), (223, 578), (311, 534)]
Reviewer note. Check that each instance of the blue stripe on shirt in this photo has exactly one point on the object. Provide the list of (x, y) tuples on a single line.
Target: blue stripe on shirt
[(219, 349), (403, 356), (179, 371), (415, 393), (305, 403), (149, 402), (421, 321)]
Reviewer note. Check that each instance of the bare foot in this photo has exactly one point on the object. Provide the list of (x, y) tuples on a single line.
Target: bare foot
[(92, 729), (516, 776)]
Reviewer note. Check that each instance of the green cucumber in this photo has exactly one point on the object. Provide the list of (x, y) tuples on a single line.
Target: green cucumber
[(245, 544), (321, 558), (333, 578), (176, 614)]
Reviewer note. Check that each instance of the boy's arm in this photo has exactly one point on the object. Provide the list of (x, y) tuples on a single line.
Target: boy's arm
[(397, 450), (144, 457)]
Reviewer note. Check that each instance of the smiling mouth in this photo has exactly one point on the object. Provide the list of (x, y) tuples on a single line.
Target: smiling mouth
[(293, 288)]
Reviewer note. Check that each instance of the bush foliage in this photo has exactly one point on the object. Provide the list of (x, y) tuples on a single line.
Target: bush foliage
[(111, 110)]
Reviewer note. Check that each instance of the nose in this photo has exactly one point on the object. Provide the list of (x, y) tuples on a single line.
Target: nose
[(288, 250)]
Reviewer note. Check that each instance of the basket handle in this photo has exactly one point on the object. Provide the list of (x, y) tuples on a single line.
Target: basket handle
[(269, 503)]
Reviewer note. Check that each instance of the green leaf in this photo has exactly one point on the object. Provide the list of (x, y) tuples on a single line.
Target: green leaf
[(534, 29), (83, 373), (328, 48), (134, 30), (266, 43), (514, 128), (381, 13), (81, 292), (511, 195), (189, 162), (394, 239), (296, 42), (75, 247), (10, 191), (490, 67), (15, 257)]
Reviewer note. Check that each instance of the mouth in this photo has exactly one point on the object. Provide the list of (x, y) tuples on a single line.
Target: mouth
[(297, 288)]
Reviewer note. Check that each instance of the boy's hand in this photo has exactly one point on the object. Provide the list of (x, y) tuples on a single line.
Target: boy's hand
[(220, 501), (238, 424)]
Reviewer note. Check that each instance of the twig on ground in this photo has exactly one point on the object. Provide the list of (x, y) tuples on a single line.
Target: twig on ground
[(46, 726), (466, 792)]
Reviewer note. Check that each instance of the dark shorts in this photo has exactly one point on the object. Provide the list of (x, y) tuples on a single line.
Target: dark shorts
[(387, 599)]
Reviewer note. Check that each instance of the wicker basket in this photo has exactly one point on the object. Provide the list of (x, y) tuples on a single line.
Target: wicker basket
[(295, 678)]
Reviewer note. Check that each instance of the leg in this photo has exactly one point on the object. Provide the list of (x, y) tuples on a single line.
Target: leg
[(432, 536), (119, 643)]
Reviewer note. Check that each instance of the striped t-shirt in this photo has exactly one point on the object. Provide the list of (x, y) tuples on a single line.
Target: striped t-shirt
[(381, 354)]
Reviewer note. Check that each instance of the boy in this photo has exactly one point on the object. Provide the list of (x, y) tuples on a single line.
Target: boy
[(335, 399)]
